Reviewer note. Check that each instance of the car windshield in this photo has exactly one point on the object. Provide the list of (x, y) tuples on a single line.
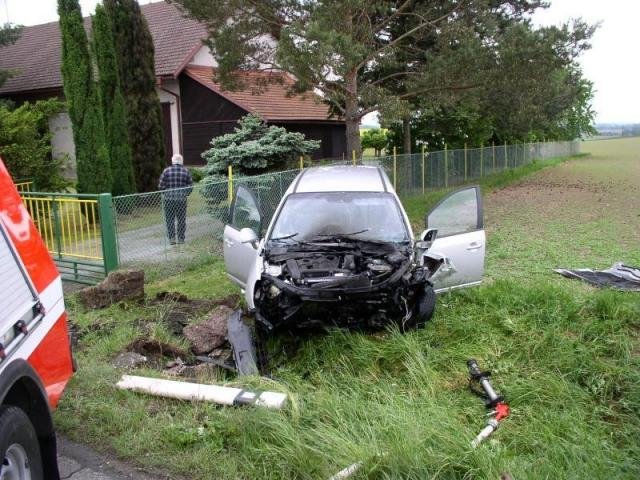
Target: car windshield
[(361, 215)]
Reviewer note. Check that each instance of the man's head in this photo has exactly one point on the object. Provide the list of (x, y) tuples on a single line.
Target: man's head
[(177, 159)]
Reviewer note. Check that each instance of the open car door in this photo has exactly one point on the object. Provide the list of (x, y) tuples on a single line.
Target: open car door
[(460, 242), (240, 246)]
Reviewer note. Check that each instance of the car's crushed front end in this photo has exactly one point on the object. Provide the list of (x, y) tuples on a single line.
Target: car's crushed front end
[(342, 282)]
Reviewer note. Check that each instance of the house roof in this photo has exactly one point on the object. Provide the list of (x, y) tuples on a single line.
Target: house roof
[(36, 56), (271, 101)]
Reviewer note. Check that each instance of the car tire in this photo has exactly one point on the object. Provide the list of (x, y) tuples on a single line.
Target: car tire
[(423, 309), (19, 447)]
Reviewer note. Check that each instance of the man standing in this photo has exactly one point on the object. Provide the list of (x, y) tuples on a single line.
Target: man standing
[(177, 184)]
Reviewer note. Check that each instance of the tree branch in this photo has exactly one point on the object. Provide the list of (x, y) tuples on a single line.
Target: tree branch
[(406, 34), (454, 88)]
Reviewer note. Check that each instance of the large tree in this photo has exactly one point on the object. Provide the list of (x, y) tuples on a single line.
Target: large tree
[(92, 157), (135, 55), (334, 45), (113, 106), (532, 88)]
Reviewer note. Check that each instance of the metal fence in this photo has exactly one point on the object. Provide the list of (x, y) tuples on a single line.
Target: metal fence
[(173, 230), (78, 231), (25, 185)]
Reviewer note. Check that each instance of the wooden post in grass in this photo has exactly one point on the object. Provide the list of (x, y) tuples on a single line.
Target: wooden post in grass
[(423, 155), (230, 188), (301, 160), (481, 158), (446, 167), (353, 157), (395, 167)]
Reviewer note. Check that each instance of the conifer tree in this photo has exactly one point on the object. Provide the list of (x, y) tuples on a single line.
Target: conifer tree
[(92, 156), (114, 113), (134, 54)]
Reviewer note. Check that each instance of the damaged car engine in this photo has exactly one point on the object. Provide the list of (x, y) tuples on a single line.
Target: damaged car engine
[(340, 281)]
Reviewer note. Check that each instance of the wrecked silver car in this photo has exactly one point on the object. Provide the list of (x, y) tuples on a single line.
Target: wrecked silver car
[(340, 251)]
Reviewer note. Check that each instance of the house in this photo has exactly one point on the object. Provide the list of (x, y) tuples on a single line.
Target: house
[(194, 107)]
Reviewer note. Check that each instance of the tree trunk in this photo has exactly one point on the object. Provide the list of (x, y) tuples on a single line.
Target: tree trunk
[(406, 130), (353, 138), (351, 117)]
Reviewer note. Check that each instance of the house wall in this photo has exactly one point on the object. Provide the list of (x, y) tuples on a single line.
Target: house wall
[(204, 58), (332, 136), (205, 115), (169, 93)]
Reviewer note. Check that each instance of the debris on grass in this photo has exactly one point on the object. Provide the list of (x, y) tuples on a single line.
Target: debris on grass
[(129, 360), (347, 472), (200, 392), (209, 334), (619, 276)]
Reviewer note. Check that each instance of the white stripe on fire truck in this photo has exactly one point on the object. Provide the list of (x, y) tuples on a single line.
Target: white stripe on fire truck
[(53, 303)]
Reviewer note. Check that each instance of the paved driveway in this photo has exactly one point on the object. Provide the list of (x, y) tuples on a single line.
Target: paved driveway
[(77, 462)]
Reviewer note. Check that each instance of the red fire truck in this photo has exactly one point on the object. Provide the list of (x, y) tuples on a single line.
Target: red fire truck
[(35, 352)]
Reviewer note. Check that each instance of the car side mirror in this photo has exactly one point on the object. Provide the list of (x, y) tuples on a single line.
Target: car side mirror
[(427, 237), (247, 235)]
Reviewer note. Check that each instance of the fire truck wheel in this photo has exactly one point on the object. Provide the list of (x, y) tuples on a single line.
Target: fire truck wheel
[(19, 447)]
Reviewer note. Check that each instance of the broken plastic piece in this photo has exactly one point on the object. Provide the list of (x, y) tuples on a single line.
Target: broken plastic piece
[(242, 343), (197, 391)]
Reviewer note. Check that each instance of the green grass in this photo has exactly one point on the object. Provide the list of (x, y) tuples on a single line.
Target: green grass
[(566, 355)]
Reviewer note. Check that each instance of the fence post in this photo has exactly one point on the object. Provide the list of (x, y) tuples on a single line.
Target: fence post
[(481, 158), (230, 186), (108, 232), (506, 161), (301, 161), (423, 169), (493, 147), (395, 167), (446, 167), (353, 157), (57, 227), (465, 162)]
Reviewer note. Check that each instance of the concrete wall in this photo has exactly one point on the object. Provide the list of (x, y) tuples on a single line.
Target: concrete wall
[(62, 145)]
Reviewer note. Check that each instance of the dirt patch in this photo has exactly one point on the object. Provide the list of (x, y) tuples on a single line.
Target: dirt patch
[(153, 349)]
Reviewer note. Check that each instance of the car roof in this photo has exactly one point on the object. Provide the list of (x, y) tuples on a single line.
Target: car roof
[(342, 179)]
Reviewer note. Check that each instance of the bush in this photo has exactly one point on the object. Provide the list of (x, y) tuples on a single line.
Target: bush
[(25, 144), (255, 147), (196, 174)]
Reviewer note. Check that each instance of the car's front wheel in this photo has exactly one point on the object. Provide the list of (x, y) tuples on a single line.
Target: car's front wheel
[(19, 447)]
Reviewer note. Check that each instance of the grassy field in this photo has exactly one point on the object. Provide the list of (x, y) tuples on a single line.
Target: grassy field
[(566, 355)]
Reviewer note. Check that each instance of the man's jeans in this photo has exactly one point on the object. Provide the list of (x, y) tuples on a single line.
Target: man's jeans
[(175, 211)]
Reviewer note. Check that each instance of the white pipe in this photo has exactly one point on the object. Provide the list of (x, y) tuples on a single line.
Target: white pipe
[(347, 472), (197, 391)]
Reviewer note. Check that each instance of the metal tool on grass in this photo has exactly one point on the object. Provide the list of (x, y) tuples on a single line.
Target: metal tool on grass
[(494, 401)]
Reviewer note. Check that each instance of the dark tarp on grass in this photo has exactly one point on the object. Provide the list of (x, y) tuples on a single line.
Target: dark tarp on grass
[(619, 276)]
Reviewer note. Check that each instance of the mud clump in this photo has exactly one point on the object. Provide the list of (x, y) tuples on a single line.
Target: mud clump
[(209, 334), (119, 286)]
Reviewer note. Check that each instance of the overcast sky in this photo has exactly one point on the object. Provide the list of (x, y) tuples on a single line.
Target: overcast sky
[(610, 64)]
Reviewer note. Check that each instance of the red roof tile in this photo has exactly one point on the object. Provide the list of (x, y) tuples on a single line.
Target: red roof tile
[(272, 103), (36, 54)]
